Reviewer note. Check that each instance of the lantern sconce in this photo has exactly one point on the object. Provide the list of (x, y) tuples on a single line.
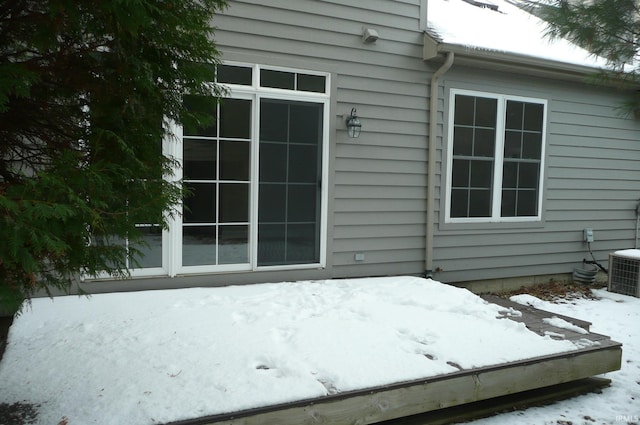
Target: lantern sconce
[(353, 124)]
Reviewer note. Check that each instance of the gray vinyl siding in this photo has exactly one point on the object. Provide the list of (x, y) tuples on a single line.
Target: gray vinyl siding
[(592, 180), (377, 182)]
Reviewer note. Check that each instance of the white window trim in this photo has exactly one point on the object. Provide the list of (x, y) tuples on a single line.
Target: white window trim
[(175, 227), (256, 93), (498, 159), (324, 195), (172, 147)]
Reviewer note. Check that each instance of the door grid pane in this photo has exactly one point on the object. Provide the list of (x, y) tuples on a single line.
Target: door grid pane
[(290, 182)]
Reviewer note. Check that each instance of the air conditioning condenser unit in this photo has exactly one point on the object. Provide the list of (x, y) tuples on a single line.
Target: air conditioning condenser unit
[(624, 272)]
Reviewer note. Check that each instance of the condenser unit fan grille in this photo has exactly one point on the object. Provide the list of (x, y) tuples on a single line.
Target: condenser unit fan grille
[(624, 275)]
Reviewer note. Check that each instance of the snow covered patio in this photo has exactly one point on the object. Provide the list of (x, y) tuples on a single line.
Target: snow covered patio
[(356, 351)]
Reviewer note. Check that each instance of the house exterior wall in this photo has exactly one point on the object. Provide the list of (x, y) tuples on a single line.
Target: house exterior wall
[(592, 180), (377, 182)]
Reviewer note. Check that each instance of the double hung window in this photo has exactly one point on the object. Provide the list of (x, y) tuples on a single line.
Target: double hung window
[(495, 157)]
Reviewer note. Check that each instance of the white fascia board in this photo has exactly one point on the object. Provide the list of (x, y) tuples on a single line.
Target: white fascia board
[(504, 61)]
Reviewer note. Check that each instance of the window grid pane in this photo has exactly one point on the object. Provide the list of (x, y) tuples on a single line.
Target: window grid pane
[(277, 79), (151, 249), (147, 253), (230, 74), (522, 159), (293, 81), (311, 83), (474, 129), (474, 142), (216, 170)]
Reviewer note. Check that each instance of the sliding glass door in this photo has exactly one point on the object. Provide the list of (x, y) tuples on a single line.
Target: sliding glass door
[(216, 167), (290, 180)]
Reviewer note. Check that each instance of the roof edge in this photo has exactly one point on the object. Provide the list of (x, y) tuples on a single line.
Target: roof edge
[(434, 49)]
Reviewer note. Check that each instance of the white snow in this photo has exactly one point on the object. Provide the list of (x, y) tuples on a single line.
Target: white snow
[(561, 323), (552, 334), (629, 253), (507, 30), (614, 315), (158, 356)]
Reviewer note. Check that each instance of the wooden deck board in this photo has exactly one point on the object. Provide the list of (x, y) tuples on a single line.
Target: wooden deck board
[(509, 403), (599, 355), (533, 316), (533, 319)]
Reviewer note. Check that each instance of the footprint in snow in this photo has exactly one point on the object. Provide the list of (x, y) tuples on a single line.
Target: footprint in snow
[(281, 335), (329, 386), (243, 317)]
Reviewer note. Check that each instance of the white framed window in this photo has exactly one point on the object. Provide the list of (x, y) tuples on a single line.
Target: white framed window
[(258, 177), (495, 157)]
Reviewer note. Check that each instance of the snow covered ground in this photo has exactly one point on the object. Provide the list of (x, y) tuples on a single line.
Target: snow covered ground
[(158, 356), (617, 316)]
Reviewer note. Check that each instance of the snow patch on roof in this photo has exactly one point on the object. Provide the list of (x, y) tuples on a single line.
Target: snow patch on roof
[(507, 30)]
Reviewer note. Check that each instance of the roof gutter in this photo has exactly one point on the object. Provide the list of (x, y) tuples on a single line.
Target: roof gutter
[(506, 61), (431, 170)]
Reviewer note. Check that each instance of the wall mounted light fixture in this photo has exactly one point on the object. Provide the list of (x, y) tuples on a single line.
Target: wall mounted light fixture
[(353, 124)]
